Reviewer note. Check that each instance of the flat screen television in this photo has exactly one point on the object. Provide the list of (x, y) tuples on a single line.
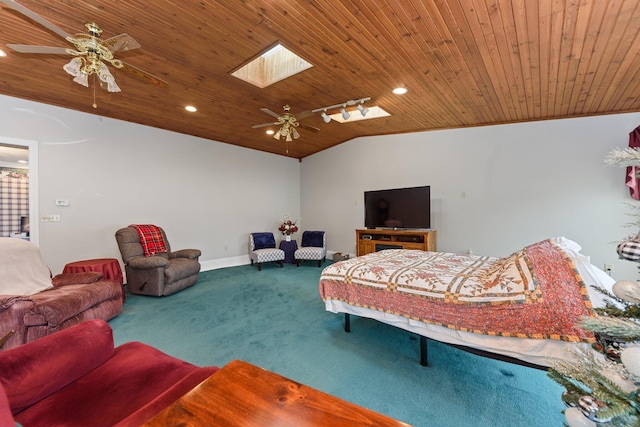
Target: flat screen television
[(398, 208)]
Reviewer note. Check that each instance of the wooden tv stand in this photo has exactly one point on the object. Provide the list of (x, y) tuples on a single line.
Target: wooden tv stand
[(368, 241)]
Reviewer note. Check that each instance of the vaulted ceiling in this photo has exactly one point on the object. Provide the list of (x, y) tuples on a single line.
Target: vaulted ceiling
[(464, 63)]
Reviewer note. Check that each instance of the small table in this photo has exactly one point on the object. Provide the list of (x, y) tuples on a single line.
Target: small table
[(241, 394), (289, 249), (109, 267)]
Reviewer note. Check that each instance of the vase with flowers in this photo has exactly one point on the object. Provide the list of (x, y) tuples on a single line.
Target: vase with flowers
[(288, 227)]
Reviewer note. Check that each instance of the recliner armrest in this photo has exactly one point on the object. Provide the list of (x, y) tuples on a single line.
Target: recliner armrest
[(186, 253), (145, 263)]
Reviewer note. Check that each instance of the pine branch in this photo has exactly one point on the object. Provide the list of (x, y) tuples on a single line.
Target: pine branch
[(623, 157), (612, 326)]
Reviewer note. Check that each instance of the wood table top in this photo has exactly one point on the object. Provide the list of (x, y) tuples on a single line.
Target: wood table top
[(241, 394)]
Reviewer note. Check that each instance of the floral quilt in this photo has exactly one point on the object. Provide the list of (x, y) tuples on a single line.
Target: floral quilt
[(533, 293)]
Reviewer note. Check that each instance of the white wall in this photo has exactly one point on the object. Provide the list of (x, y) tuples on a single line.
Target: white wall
[(205, 194), (494, 189)]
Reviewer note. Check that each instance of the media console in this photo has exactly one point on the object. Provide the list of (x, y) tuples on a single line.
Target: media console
[(368, 241)]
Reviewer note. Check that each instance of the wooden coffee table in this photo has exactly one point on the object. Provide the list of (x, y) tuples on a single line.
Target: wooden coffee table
[(241, 394)]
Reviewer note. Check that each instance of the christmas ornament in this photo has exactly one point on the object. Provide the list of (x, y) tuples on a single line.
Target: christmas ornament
[(627, 290), (575, 418), (630, 358)]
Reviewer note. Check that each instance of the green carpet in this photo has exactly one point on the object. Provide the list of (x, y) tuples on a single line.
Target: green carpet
[(275, 319)]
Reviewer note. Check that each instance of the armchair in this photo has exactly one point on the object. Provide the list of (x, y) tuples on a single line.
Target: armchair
[(262, 248), (159, 274), (313, 247)]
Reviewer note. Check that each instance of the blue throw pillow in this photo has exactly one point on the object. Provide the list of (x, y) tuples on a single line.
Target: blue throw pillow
[(263, 241), (313, 238)]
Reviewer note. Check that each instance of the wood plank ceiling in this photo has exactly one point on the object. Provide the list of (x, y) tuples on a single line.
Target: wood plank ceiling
[(464, 62)]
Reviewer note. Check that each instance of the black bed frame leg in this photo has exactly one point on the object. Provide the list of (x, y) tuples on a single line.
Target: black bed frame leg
[(347, 322), (424, 356)]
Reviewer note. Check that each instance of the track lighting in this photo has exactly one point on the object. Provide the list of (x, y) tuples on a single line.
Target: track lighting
[(343, 109)]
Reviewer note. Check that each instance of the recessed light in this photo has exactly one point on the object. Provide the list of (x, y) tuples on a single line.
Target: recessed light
[(2, 53), (191, 108), (270, 132), (400, 90)]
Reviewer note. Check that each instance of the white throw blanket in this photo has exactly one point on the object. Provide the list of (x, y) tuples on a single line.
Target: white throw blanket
[(22, 269)]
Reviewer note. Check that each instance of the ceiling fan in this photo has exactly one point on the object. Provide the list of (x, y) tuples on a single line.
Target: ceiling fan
[(288, 123), (90, 53)]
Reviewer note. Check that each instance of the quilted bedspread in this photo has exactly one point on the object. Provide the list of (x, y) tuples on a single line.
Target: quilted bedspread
[(534, 293)]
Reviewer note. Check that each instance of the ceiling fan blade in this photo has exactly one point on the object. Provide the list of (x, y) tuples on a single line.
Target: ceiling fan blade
[(304, 114), (121, 43), (27, 48), (35, 17), (264, 125), (143, 75), (307, 127), (269, 112)]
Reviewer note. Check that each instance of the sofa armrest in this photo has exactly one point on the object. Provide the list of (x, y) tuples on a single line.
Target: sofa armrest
[(39, 368), (145, 263), (186, 253), (76, 278)]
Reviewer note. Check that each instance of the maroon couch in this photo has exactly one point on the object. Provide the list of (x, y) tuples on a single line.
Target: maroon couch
[(75, 377), (33, 305)]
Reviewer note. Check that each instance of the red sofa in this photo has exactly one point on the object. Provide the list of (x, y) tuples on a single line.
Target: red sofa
[(34, 305), (75, 377)]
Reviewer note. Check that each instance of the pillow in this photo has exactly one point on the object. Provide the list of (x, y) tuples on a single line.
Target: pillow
[(313, 238), (22, 269), (263, 241), (591, 275), (77, 278)]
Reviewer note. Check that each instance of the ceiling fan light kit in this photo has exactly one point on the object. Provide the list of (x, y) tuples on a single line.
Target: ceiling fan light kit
[(90, 52)]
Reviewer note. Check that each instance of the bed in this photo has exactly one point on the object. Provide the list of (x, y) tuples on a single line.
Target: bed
[(522, 308)]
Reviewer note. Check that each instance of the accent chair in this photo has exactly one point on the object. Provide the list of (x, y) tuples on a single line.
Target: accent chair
[(262, 248), (313, 247)]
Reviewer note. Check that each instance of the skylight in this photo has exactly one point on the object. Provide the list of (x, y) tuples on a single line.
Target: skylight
[(271, 66)]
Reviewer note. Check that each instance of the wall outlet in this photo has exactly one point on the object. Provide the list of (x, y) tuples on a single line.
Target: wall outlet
[(608, 268)]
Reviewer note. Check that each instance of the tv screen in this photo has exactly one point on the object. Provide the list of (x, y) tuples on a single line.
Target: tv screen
[(398, 208)]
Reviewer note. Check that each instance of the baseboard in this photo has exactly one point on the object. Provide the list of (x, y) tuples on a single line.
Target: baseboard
[(214, 264)]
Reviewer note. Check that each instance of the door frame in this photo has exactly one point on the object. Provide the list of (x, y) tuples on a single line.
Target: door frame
[(34, 216)]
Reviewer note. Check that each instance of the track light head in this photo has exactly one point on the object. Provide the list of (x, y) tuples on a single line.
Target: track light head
[(325, 116), (363, 110), (345, 114)]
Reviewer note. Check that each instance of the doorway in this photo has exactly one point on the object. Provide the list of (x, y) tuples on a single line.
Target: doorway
[(19, 169)]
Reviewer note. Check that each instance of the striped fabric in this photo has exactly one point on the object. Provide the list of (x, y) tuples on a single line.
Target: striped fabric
[(630, 249), (151, 239), (14, 203)]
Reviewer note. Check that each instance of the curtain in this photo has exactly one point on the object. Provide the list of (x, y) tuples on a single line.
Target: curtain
[(631, 179)]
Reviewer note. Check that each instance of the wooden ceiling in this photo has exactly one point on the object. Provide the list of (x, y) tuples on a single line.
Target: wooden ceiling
[(464, 62)]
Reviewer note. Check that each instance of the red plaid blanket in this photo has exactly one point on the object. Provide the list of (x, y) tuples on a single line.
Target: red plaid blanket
[(151, 239)]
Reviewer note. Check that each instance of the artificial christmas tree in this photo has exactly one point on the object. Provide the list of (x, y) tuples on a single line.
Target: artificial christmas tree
[(602, 387)]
